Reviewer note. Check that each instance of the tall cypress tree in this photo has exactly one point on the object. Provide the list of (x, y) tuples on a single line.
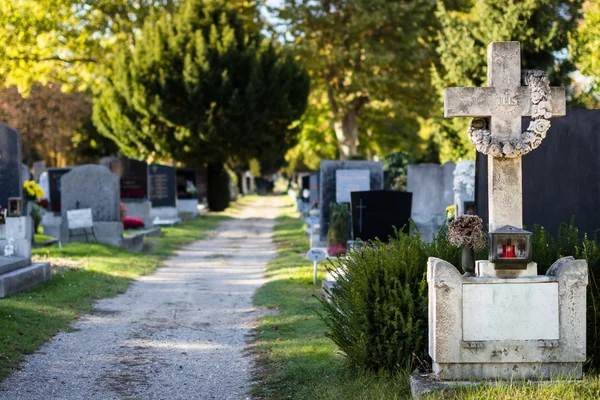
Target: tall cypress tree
[(542, 27), (200, 88)]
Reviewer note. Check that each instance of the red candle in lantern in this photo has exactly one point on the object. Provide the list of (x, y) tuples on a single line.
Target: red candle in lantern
[(508, 251)]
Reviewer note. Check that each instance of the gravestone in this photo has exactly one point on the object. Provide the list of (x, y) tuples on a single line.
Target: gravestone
[(54, 183), (25, 174), (17, 273), (502, 323), (163, 192), (96, 188), (187, 200), (133, 181), (202, 184), (464, 185), (432, 186), (10, 164), (314, 187), (376, 213), (39, 167), (328, 185), (561, 179), (162, 186)]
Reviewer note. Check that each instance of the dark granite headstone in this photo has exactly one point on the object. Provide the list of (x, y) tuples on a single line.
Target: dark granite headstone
[(10, 164), (186, 183), (376, 213), (202, 184), (133, 176), (162, 185), (561, 178), (314, 187), (328, 190), (54, 183)]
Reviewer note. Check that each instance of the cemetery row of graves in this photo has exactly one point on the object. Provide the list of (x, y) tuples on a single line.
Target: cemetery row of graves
[(119, 201)]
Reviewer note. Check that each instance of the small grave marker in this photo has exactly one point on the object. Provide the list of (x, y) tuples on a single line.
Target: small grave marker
[(316, 255)]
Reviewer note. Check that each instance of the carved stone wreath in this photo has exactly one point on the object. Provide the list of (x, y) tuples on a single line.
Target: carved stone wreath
[(541, 99)]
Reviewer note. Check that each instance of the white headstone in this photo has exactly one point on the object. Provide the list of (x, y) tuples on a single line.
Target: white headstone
[(464, 185), (350, 180)]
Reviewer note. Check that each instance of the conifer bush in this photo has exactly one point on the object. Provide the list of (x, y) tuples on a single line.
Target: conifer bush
[(339, 225), (378, 309)]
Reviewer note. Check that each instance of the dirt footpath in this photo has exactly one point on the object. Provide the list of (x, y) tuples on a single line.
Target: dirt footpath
[(177, 334)]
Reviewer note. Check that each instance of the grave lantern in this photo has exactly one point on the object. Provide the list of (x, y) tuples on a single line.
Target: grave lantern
[(510, 248), (14, 206)]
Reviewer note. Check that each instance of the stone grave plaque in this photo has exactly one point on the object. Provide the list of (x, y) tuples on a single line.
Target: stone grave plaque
[(186, 183), (350, 180), (375, 213), (162, 185), (80, 219), (134, 177), (10, 164), (561, 178), (54, 183)]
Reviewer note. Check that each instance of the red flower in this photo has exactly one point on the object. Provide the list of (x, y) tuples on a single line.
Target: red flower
[(336, 250), (132, 223)]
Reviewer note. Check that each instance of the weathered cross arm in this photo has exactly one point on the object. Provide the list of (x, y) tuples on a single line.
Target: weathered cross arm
[(482, 101)]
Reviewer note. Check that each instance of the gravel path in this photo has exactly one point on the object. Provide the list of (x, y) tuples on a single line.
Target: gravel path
[(178, 334)]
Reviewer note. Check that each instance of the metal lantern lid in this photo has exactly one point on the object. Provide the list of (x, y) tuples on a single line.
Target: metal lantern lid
[(509, 229)]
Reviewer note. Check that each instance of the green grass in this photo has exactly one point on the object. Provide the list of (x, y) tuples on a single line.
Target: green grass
[(297, 361), (589, 388), (295, 358), (95, 271), (40, 238)]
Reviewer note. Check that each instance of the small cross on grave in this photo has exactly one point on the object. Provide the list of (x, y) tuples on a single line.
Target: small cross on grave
[(505, 101), (360, 222)]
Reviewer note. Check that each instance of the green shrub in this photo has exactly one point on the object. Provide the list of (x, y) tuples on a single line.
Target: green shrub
[(378, 310), (339, 224)]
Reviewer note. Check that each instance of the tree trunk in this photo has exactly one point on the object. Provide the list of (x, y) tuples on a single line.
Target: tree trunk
[(218, 187), (346, 131)]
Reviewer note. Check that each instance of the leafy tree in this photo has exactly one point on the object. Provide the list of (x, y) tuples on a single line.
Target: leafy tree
[(72, 41), (585, 46), (200, 88), (542, 27), (366, 56), (51, 121)]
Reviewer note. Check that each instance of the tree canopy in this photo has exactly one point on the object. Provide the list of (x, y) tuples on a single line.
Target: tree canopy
[(367, 56), (198, 87)]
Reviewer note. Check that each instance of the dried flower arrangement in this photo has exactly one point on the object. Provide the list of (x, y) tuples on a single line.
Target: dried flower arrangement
[(467, 231)]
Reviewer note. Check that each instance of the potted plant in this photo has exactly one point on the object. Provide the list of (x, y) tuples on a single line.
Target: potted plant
[(466, 231)]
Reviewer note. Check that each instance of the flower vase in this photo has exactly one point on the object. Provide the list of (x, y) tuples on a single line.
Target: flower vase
[(468, 261)]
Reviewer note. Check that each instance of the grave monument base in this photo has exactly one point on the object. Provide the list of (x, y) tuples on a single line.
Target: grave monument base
[(188, 206), (21, 230), (51, 223), (140, 209), (528, 327), (424, 384), (106, 232)]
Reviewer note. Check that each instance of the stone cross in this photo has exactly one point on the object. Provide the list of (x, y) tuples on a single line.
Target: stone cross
[(505, 102), (360, 209)]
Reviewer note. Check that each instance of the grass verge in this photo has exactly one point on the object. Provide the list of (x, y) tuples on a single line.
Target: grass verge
[(296, 360), (83, 273)]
